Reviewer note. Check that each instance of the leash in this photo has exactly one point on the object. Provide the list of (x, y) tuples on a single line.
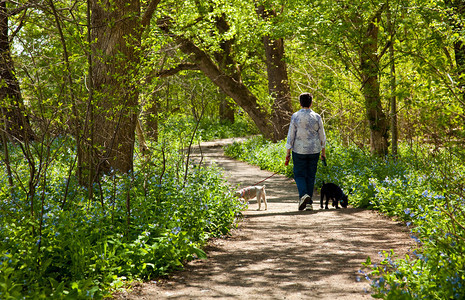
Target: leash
[(285, 163), (260, 181), (265, 179)]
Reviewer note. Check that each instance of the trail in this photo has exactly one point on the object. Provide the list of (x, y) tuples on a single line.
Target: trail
[(282, 253)]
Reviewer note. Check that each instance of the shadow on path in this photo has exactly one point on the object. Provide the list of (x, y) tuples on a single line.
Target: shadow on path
[(283, 253)]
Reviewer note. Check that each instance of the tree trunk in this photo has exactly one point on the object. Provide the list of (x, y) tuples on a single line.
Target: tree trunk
[(278, 83), (14, 119), (394, 131), (143, 149), (369, 67), (278, 86), (459, 50), (116, 36), (226, 110), (150, 114), (458, 13)]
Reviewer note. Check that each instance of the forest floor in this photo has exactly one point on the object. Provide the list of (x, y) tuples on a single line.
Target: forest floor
[(282, 253)]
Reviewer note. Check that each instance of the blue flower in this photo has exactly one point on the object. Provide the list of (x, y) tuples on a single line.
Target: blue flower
[(415, 238)]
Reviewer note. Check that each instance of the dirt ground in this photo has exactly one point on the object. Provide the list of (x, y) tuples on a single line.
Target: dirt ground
[(282, 253)]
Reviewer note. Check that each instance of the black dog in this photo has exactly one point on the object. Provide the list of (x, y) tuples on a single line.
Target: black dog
[(334, 192)]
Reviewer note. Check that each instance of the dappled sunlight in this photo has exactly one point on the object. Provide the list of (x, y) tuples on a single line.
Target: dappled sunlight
[(282, 252)]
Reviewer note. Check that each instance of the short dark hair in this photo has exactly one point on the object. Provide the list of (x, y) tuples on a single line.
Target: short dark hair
[(305, 99)]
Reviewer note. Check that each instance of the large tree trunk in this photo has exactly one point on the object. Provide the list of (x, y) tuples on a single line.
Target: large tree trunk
[(14, 120), (369, 68), (278, 83), (278, 86), (459, 50), (116, 36), (458, 8)]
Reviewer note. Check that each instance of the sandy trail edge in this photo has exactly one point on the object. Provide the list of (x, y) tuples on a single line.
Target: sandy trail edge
[(282, 253)]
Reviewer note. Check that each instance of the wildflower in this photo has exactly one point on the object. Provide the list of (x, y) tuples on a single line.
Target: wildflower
[(422, 217), (408, 212), (176, 230), (415, 238)]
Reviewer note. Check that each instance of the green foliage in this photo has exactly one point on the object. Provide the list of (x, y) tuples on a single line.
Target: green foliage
[(137, 226), (423, 190)]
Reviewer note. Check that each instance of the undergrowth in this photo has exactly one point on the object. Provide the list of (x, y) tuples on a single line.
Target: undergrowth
[(56, 243)]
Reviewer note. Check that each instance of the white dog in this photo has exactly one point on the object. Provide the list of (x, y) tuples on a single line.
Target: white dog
[(251, 192)]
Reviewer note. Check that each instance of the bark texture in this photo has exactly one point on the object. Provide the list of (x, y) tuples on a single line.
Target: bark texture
[(116, 36), (278, 82), (369, 67), (14, 120), (457, 22)]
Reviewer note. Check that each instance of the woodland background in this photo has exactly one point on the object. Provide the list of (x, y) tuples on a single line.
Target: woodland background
[(100, 99)]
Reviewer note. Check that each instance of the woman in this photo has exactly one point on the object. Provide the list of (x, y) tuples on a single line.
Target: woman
[(306, 139)]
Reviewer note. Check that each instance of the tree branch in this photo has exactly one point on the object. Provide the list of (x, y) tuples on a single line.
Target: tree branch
[(149, 11), (177, 69)]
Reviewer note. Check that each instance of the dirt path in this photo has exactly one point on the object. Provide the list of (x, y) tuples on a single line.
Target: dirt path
[(283, 253)]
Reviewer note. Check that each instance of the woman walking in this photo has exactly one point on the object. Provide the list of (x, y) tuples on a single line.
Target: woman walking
[(306, 139)]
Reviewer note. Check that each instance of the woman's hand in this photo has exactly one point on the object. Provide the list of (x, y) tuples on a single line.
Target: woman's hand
[(288, 158)]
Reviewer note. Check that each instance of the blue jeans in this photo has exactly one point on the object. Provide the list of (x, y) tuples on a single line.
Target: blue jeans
[(305, 166)]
